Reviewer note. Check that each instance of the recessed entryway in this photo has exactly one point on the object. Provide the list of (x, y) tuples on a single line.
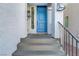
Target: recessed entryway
[(40, 18)]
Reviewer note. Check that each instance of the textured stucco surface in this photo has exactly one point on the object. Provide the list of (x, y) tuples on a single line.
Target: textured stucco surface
[(12, 26)]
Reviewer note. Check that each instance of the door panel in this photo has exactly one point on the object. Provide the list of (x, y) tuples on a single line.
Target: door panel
[(41, 19)]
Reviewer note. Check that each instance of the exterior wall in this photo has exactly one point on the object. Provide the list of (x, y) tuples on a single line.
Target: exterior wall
[(12, 27), (72, 12), (49, 19), (52, 22), (22, 19), (58, 17)]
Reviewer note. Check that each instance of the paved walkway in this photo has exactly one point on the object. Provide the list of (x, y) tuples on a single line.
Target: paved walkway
[(39, 45)]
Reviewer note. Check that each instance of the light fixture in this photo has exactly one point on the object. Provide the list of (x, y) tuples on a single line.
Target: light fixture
[(60, 7)]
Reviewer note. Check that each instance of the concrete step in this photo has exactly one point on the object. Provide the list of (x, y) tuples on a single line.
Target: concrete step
[(39, 36), (52, 41), (39, 53), (36, 47)]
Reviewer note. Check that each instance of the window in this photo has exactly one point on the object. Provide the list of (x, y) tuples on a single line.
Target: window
[(66, 23), (32, 17)]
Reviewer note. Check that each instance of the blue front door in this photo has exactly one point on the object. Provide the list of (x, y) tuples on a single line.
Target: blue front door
[(41, 19)]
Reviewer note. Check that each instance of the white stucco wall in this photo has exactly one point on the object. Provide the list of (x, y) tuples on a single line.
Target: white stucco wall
[(72, 11), (12, 27), (58, 17), (53, 21), (49, 19)]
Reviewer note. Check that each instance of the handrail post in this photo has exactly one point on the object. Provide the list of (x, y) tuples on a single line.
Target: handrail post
[(72, 46), (66, 43), (64, 39), (76, 47), (69, 44)]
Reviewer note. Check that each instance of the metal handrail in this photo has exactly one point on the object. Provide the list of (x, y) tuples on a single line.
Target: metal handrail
[(66, 31)]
